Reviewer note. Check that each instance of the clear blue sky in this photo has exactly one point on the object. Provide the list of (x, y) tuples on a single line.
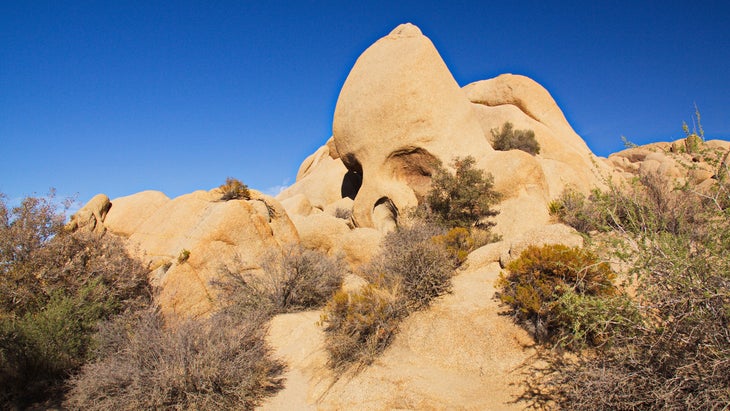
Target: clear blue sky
[(124, 96)]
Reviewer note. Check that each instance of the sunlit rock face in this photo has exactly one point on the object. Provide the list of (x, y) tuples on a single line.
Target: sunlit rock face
[(400, 112), (186, 241)]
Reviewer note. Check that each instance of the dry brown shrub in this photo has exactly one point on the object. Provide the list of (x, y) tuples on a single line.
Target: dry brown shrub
[(234, 189), (221, 363), (293, 279), (360, 324), (412, 262)]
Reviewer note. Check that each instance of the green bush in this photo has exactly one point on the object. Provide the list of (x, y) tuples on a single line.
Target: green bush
[(55, 289), (220, 363), (463, 199), (359, 325), (510, 139), (678, 356), (540, 283), (234, 189)]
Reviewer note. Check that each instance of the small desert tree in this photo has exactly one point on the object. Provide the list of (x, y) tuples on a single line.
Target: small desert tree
[(464, 198)]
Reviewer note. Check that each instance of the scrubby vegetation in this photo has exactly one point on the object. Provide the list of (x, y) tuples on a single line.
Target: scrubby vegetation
[(55, 289), (78, 326), (463, 199), (410, 271), (234, 189), (360, 324), (559, 292), (415, 265), (672, 350), (293, 279), (510, 139), (218, 363)]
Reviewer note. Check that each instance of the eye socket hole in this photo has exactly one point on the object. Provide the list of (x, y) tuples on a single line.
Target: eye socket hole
[(414, 166), (352, 181)]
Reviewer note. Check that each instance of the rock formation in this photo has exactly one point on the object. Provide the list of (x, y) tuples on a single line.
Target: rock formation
[(399, 114), (91, 216), (699, 163), (187, 240)]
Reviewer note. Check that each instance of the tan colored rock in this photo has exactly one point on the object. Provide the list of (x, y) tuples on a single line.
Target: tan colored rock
[(399, 111), (235, 233), (359, 245), (340, 208), (565, 159), (129, 212), (275, 214), (320, 231), (91, 216), (321, 179), (699, 175), (522, 213), (460, 354), (332, 148), (720, 145), (672, 162), (486, 255), (297, 205)]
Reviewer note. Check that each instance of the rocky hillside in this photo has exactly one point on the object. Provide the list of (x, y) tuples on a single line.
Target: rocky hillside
[(399, 114)]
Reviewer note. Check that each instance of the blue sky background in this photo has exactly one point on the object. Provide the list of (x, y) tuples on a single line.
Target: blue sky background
[(120, 97)]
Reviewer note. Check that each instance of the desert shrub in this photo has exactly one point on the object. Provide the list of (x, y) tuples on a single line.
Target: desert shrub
[(183, 256), (676, 353), (457, 242), (55, 288), (546, 284), (510, 139), (411, 261), (573, 208), (679, 356), (293, 279), (412, 268), (649, 203), (234, 189), (220, 363), (360, 324), (463, 199)]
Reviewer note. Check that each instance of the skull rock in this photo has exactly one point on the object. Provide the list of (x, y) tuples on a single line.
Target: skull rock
[(398, 114)]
